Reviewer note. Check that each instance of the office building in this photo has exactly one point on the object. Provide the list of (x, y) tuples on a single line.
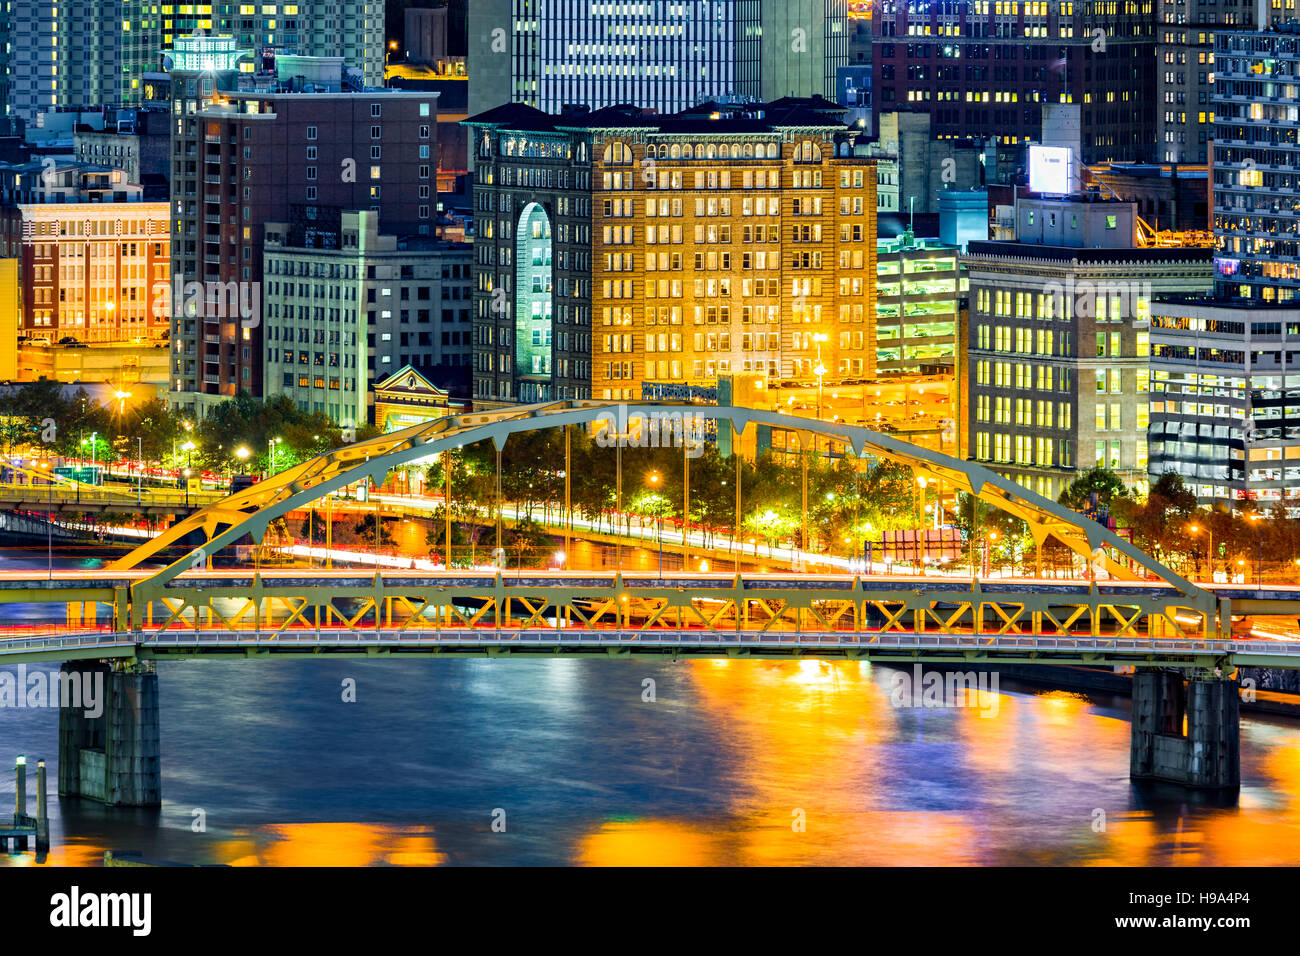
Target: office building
[(665, 57), (913, 167), (617, 248), (94, 256), (1186, 72), (303, 145), (990, 67), (342, 316), (1225, 402), (1256, 165), (1060, 341), (96, 52), (136, 141)]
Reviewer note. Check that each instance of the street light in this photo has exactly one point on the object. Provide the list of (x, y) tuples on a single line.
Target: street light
[(242, 454), (819, 370), (49, 519), (1196, 529), (659, 522), (121, 397), (1259, 560), (188, 448), (271, 442)]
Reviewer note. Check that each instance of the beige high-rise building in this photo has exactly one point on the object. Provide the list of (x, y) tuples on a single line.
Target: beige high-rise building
[(615, 250)]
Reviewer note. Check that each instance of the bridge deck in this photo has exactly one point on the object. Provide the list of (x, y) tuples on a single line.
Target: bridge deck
[(1038, 649)]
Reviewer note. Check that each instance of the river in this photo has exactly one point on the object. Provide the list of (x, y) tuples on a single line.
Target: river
[(560, 761)]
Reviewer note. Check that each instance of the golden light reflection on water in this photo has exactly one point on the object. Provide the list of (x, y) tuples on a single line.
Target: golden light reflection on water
[(332, 844), (811, 741), (651, 843), (821, 744)]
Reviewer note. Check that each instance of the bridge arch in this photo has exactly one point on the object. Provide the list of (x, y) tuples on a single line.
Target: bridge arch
[(250, 511)]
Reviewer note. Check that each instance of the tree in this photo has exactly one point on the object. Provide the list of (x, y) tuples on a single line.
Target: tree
[(1161, 523), (527, 535), (1107, 486), (315, 528), (245, 421), (155, 425), (365, 532)]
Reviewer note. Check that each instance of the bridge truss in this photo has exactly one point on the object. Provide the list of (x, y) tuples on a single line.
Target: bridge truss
[(1178, 609)]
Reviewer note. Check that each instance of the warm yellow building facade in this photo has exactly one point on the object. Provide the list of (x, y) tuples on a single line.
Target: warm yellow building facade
[(618, 247), (721, 252)]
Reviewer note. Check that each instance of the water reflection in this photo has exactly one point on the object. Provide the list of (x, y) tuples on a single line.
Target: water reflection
[(735, 762)]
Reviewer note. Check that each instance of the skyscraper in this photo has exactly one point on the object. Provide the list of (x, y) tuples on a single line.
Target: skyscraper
[(1060, 340), (299, 147), (1257, 165), (615, 249), (664, 55), (1225, 396), (985, 67), (94, 52)]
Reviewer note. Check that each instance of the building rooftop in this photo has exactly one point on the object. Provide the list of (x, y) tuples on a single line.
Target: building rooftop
[(1244, 305), (1153, 170), (811, 112), (992, 249)]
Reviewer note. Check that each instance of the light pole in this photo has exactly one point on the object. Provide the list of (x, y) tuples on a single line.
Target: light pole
[(1195, 529), (242, 454), (188, 448), (139, 478), (659, 522), (49, 520), (819, 370), (271, 443), (920, 517), (1259, 563)]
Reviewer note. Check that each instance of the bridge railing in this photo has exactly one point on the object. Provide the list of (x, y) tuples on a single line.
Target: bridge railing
[(36, 495), (1032, 647), (741, 605)]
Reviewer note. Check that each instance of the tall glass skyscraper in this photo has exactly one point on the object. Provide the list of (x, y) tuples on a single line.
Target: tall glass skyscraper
[(1257, 165), (664, 55)]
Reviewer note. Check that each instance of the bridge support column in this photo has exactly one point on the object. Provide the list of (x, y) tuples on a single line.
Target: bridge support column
[(112, 756), (1208, 754)]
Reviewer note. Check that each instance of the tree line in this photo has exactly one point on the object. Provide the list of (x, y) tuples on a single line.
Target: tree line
[(43, 418)]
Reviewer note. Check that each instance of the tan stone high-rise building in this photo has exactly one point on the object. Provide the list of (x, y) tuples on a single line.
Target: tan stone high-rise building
[(670, 250)]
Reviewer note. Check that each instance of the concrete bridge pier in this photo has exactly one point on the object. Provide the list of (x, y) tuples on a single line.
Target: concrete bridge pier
[(112, 756), (1185, 731)]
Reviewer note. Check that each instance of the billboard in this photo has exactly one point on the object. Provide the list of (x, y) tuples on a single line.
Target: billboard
[(1050, 169)]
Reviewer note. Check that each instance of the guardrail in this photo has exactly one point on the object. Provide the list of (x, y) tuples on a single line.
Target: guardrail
[(41, 494), (575, 637)]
